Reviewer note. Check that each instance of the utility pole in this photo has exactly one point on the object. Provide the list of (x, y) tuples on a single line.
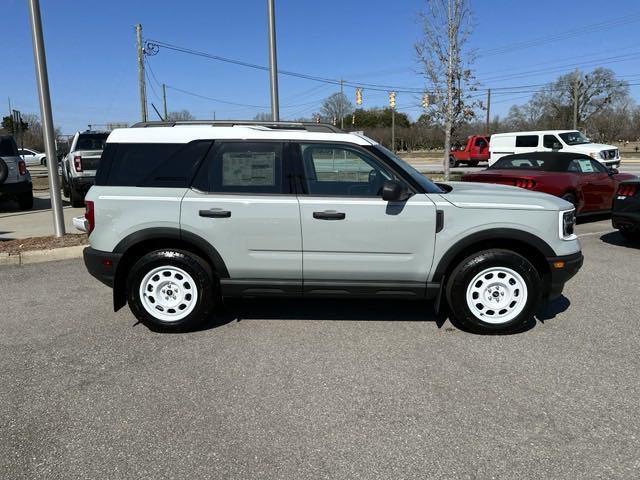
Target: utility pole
[(164, 100), (392, 105), (42, 81), (341, 104), (393, 129), (10, 115), (486, 128), (141, 82), (273, 61), (575, 100)]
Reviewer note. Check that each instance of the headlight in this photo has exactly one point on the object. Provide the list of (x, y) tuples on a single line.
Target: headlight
[(595, 155), (567, 222)]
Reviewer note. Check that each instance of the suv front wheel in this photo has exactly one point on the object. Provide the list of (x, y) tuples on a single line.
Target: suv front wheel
[(171, 290), (494, 291)]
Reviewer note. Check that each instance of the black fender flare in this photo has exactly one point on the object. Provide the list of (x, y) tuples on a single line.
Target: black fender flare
[(490, 234), (162, 233)]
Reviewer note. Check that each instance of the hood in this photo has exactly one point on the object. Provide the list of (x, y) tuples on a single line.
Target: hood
[(488, 195), (591, 147)]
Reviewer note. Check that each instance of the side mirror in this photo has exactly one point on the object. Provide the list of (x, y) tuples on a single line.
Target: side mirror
[(613, 171), (557, 146), (393, 191)]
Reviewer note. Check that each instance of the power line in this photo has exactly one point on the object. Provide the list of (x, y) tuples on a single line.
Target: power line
[(560, 68), (599, 26), (369, 86)]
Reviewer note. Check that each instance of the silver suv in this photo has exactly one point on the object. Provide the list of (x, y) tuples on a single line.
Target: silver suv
[(185, 214), (15, 179)]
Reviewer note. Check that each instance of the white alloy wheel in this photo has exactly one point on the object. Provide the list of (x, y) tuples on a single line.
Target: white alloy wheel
[(168, 293), (497, 295)]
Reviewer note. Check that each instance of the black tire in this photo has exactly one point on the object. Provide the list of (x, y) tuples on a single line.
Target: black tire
[(76, 198), (25, 200), (43, 162), (453, 162), (65, 188), (4, 171), (203, 279), (467, 271), (473, 164), (571, 198)]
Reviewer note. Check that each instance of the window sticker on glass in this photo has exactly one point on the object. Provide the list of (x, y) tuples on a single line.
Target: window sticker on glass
[(248, 168), (585, 166)]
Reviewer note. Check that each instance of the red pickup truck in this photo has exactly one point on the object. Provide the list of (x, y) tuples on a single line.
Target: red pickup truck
[(475, 151)]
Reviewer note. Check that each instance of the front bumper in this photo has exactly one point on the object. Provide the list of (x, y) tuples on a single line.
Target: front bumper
[(102, 265), (563, 269), (15, 188)]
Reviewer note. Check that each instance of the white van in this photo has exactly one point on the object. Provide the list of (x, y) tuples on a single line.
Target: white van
[(570, 141)]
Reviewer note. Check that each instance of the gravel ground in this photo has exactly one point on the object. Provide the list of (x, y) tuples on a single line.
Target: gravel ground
[(321, 389)]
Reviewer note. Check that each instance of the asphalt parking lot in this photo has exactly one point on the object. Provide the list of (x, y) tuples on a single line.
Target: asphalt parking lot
[(329, 389)]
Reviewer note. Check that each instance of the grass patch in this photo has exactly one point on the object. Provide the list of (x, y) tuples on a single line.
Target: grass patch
[(14, 247)]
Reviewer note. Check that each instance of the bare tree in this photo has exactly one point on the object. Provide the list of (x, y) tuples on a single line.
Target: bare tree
[(181, 115), (263, 117), (446, 26), (335, 107), (595, 92)]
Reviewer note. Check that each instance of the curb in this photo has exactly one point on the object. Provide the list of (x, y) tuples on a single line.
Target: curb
[(41, 256)]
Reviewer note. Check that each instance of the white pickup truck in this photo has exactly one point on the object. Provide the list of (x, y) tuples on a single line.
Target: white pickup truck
[(80, 164), (570, 141)]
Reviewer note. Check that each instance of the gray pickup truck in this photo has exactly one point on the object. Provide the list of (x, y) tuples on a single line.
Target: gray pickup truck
[(80, 164), (15, 179)]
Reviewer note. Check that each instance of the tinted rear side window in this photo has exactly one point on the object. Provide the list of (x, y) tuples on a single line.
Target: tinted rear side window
[(8, 147), (150, 164), (527, 141)]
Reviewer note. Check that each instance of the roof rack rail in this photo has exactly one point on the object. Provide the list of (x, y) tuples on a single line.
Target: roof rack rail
[(308, 126)]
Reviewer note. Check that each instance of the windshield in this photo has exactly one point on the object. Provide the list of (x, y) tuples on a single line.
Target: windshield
[(424, 182), (520, 163), (91, 141), (8, 147), (574, 138)]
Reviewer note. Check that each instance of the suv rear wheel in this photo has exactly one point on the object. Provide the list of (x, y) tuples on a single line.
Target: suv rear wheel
[(494, 291), (25, 200), (76, 198), (171, 290)]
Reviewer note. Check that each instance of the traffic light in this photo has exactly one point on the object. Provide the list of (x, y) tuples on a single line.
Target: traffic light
[(353, 119), (358, 96), (392, 99), (425, 101)]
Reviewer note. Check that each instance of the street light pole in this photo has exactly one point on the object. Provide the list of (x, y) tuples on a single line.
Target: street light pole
[(164, 101), (42, 81), (273, 61)]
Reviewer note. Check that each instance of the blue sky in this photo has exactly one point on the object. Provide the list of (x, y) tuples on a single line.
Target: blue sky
[(92, 58)]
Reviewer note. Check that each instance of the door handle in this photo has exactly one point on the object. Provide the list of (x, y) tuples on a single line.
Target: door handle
[(215, 213), (329, 215)]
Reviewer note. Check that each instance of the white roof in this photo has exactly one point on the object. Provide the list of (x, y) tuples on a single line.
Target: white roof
[(533, 132), (188, 133)]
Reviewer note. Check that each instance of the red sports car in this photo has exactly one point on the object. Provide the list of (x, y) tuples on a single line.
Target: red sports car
[(575, 177)]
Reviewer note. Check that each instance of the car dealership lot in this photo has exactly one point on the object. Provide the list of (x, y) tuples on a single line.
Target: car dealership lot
[(321, 389)]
